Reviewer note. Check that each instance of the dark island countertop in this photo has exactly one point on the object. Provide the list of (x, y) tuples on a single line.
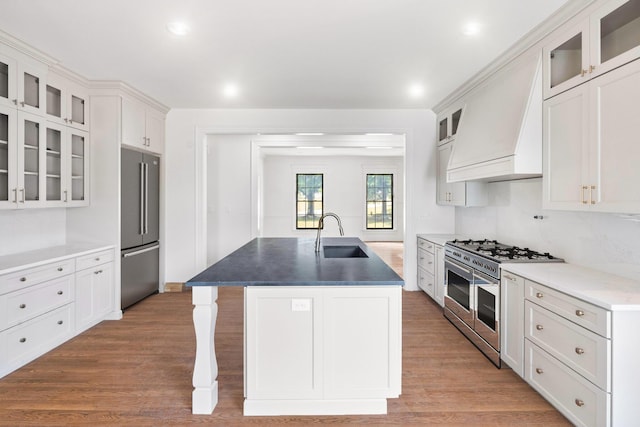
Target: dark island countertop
[(284, 261)]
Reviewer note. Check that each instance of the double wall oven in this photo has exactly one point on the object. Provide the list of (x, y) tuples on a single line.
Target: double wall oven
[(472, 299)]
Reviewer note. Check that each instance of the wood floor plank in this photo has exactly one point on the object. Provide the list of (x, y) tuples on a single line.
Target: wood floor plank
[(137, 372)]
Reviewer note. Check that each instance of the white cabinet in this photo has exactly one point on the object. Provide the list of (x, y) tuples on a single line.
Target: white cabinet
[(43, 303), (575, 332), (142, 126), (308, 346), (590, 155), (456, 193), (22, 85), (512, 321), (607, 39), (36, 312), (448, 123), (67, 103), (431, 269), (94, 288), (67, 166)]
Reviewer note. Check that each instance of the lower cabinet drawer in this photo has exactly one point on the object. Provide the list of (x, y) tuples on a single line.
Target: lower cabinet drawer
[(583, 351), (426, 282), (425, 260), (20, 306), (25, 342), (579, 400)]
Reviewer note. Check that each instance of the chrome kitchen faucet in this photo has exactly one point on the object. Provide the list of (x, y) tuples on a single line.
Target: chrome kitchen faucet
[(321, 223)]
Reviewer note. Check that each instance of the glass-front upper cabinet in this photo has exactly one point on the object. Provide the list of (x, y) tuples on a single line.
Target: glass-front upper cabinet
[(8, 159), (8, 84), (78, 168), (66, 102), (609, 38), (54, 163), (448, 125), (31, 156)]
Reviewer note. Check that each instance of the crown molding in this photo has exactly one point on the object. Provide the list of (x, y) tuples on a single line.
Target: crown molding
[(26, 49), (536, 35), (117, 87)]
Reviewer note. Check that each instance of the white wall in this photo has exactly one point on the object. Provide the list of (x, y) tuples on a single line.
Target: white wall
[(228, 194), (186, 133), (607, 242), (343, 192), (29, 229)]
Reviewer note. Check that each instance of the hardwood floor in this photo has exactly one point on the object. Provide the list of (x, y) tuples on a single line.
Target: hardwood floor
[(137, 371)]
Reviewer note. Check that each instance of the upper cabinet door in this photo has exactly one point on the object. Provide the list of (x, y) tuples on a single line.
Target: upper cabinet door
[(67, 103), (8, 82), (615, 35), (566, 60), (8, 158), (155, 131), (32, 89), (133, 123)]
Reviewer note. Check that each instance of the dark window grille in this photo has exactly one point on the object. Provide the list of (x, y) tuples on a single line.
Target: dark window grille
[(379, 201), (308, 200)]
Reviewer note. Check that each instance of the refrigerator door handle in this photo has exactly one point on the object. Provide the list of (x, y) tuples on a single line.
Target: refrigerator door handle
[(141, 197), (141, 251), (146, 198)]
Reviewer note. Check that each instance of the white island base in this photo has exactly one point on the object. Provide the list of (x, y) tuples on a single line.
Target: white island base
[(309, 350)]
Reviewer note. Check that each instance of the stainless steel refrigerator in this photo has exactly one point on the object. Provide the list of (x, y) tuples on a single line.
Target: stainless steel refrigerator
[(140, 211)]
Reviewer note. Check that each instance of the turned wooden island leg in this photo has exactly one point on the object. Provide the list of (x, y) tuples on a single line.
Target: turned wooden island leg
[(205, 371)]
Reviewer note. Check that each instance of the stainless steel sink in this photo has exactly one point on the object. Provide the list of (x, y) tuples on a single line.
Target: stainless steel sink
[(344, 252)]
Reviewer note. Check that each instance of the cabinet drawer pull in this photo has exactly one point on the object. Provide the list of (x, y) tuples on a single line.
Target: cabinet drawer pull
[(539, 294), (15, 101), (23, 279), (97, 272), (508, 277), (60, 322), (579, 402), (23, 306), (60, 292), (97, 259), (23, 340), (421, 258), (60, 268), (579, 350), (539, 371), (579, 313), (539, 327), (430, 262)]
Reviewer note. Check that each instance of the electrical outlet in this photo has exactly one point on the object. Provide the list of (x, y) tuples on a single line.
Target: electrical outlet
[(298, 304)]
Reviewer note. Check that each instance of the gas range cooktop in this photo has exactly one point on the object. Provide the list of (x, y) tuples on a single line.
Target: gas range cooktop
[(485, 255), (500, 252)]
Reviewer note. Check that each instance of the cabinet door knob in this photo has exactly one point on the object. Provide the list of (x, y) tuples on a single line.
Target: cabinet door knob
[(22, 104), (579, 350), (579, 402), (579, 313), (98, 259), (60, 292), (15, 101), (23, 340), (23, 305), (23, 279), (592, 68), (583, 73), (539, 327), (60, 322), (539, 371), (539, 294), (60, 268)]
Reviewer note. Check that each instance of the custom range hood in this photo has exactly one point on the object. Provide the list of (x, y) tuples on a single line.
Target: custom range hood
[(500, 133)]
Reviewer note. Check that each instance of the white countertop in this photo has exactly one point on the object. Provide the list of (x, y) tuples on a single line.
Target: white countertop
[(19, 261), (440, 239), (599, 288)]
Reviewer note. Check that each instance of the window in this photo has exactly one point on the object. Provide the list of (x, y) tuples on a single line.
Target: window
[(380, 201), (308, 200)]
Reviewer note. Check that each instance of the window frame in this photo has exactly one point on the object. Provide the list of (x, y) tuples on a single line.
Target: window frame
[(297, 175), (367, 201)]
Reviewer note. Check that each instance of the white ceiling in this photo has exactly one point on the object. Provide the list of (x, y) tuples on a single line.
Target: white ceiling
[(280, 53)]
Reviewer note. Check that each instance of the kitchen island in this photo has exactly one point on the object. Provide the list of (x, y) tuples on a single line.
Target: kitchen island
[(322, 329)]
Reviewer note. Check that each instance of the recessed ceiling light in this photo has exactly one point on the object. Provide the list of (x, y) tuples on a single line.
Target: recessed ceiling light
[(416, 90), (230, 90), (471, 29), (178, 28), (309, 133)]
